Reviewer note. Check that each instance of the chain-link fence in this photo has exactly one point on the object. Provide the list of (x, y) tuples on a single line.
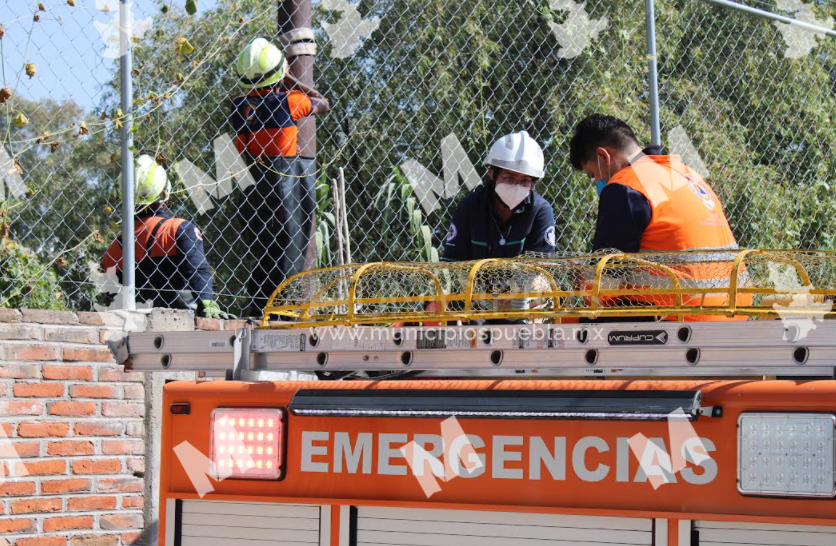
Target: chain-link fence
[(418, 90)]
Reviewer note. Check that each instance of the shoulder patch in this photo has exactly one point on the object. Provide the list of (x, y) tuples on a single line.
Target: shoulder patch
[(549, 236), (200, 235), (451, 235)]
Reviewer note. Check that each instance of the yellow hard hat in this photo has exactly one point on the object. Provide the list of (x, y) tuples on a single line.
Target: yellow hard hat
[(261, 64), (151, 182)]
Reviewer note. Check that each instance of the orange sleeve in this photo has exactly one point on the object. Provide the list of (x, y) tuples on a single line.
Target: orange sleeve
[(113, 256), (300, 105)]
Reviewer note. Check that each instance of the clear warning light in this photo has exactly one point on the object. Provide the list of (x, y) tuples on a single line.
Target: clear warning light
[(246, 443), (786, 454)]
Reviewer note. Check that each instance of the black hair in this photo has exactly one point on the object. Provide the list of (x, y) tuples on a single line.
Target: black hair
[(596, 131)]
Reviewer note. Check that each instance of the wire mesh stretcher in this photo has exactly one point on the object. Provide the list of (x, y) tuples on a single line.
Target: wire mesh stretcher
[(521, 317), (699, 285)]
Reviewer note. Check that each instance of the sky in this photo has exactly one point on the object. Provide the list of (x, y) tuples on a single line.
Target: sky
[(66, 47)]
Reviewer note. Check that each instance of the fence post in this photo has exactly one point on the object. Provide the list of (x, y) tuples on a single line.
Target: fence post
[(295, 31), (653, 76), (126, 83), (297, 37)]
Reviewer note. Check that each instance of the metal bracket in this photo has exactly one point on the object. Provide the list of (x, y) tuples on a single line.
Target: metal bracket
[(118, 345), (241, 353)]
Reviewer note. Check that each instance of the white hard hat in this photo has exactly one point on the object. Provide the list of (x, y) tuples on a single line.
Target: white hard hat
[(151, 181), (261, 64), (519, 153)]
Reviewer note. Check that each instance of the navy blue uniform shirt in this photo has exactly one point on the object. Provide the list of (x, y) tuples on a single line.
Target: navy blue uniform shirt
[(623, 214), (477, 232)]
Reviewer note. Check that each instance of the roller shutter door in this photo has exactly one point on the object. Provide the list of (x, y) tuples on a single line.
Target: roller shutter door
[(211, 523), (378, 526), (723, 533)]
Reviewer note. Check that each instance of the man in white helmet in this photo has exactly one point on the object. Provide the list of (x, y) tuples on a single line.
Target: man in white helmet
[(505, 217), (278, 211), (171, 267)]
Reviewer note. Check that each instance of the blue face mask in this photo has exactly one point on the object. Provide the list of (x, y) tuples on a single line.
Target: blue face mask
[(599, 186)]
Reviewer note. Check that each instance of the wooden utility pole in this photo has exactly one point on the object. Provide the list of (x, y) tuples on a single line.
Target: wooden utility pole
[(296, 35)]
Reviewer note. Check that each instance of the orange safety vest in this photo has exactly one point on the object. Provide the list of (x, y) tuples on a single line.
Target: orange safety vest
[(686, 215), (154, 237)]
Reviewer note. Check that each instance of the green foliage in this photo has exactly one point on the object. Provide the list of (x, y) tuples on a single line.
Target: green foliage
[(761, 122), (396, 205), (26, 281), (326, 223)]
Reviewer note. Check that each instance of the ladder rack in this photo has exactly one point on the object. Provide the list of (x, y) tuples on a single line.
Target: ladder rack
[(747, 348)]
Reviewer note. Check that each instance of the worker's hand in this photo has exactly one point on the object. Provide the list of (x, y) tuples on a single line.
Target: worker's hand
[(210, 309)]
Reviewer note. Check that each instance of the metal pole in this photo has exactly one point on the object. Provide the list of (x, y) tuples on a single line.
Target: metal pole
[(653, 75), (774, 17), (344, 209), (125, 68), (294, 15)]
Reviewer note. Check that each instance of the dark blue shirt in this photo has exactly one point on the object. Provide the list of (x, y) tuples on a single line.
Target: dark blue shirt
[(623, 215), (477, 232)]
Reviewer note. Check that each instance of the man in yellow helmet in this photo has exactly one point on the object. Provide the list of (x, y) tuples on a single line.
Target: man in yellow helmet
[(171, 267), (278, 211)]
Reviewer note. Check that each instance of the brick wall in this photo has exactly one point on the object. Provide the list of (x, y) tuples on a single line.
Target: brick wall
[(81, 427), (76, 422)]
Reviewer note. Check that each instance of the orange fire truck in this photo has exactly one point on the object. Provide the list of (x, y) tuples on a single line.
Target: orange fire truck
[(542, 400)]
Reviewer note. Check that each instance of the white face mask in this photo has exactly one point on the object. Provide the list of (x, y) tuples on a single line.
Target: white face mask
[(512, 194)]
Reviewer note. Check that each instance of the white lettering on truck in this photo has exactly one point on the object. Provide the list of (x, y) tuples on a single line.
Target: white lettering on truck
[(592, 457)]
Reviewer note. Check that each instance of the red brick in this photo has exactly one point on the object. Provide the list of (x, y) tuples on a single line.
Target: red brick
[(201, 323), (94, 391), (29, 506), (120, 521), (100, 319), (20, 332), (8, 428), (105, 335), (72, 335), (234, 324), (39, 390), (123, 447), (98, 429), (122, 409), (72, 409), (68, 522), (16, 489), (136, 465), (16, 525), (48, 317), (102, 466), (135, 428), (34, 352), (131, 538), (120, 485), (65, 486), (133, 502), (42, 468), (79, 354), (83, 504), (42, 541), (70, 447), (134, 392), (13, 450), (77, 373), (116, 374), (9, 315), (21, 407), (95, 540), (43, 430), (18, 371)]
